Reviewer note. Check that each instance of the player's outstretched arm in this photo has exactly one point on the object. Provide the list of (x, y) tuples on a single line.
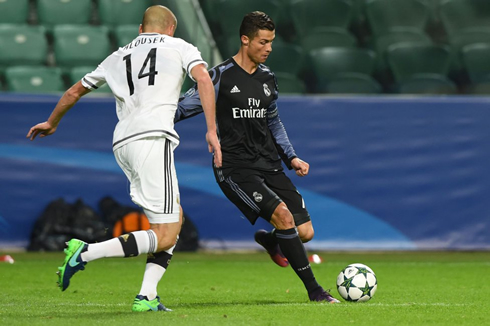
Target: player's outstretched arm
[(66, 102), (301, 167), (206, 91)]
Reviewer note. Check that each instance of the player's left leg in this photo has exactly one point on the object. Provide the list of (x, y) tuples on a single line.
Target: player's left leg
[(156, 265)]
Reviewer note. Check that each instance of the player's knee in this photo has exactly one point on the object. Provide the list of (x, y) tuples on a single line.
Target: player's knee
[(306, 234), (282, 219), (166, 242)]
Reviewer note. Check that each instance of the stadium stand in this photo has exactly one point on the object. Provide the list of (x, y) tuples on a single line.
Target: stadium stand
[(476, 62), (427, 63), (458, 15), (310, 14), (57, 12), (78, 45), (289, 83), (328, 36), (14, 11), (352, 83), (34, 79), (383, 15), (121, 12), (326, 63), (27, 35), (22, 45)]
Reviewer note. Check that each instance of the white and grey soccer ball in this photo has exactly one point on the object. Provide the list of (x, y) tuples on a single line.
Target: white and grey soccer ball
[(357, 283)]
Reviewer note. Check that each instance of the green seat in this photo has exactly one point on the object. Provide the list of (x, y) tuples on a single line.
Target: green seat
[(231, 13), (326, 63), (29, 79), (57, 12), (310, 14), (427, 84), (328, 36), (397, 35), (384, 15), (352, 83), (22, 45), (285, 57), (77, 73), (14, 11), (400, 35), (289, 83), (122, 12), (457, 15), (78, 45), (480, 88), (125, 34), (476, 61), (406, 60)]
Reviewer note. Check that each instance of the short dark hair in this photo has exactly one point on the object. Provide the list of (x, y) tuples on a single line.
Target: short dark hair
[(255, 21)]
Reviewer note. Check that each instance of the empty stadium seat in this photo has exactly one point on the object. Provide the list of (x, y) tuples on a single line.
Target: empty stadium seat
[(122, 12), (457, 15), (22, 45), (285, 57), (310, 14), (290, 84), (476, 61), (231, 13), (328, 36), (427, 84), (383, 15), (408, 60), (77, 45), (56, 12), (398, 35), (14, 11), (34, 79), (125, 34), (352, 83), (326, 63)]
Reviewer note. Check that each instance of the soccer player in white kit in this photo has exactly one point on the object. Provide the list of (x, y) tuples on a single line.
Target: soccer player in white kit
[(145, 77)]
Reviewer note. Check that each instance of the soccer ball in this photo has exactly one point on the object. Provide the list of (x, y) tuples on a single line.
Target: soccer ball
[(357, 283)]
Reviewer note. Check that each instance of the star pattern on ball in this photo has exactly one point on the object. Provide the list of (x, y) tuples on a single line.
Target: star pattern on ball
[(363, 270), (366, 290)]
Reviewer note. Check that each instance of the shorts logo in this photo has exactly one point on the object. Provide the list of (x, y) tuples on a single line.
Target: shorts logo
[(267, 91), (257, 197), (190, 92)]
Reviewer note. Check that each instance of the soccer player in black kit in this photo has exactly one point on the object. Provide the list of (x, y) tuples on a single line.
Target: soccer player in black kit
[(253, 143)]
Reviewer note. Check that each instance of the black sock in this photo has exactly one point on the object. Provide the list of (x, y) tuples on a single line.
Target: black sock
[(294, 250), (269, 239)]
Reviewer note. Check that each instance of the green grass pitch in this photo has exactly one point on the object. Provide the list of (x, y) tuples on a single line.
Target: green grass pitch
[(414, 288)]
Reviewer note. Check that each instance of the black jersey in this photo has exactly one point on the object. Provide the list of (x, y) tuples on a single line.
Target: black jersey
[(249, 128)]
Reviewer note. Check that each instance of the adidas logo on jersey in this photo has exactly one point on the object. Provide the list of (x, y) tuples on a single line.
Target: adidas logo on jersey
[(235, 90)]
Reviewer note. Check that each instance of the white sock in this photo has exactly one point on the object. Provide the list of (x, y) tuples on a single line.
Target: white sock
[(153, 275), (146, 242)]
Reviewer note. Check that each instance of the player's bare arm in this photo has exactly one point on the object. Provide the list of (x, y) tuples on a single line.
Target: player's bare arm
[(301, 167), (66, 102), (206, 91)]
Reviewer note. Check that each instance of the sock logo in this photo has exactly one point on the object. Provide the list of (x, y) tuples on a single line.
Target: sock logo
[(257, 196), (125, 237)]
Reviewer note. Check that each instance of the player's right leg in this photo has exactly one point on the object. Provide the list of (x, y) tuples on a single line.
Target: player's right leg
[(294, 250)]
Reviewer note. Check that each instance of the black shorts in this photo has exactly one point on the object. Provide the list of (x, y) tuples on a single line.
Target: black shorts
[(258, 193)]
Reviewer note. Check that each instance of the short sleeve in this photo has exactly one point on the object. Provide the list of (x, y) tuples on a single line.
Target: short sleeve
[(95, 79), (191, 58)]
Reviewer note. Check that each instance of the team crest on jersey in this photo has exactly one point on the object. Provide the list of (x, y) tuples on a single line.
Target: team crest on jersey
[(267, 91), (257, 196)]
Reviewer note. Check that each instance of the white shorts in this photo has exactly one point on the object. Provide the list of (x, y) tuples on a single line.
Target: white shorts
[(149, 165)]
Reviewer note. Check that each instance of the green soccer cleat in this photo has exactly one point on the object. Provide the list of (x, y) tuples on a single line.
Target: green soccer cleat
[(141, 303), (73, 262)]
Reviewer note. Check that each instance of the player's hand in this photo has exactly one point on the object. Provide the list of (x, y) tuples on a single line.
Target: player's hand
[(42, 129), (301, 167), (214, 147)]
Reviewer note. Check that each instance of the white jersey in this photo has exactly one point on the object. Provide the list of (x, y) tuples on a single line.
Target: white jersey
[(146, 78)]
